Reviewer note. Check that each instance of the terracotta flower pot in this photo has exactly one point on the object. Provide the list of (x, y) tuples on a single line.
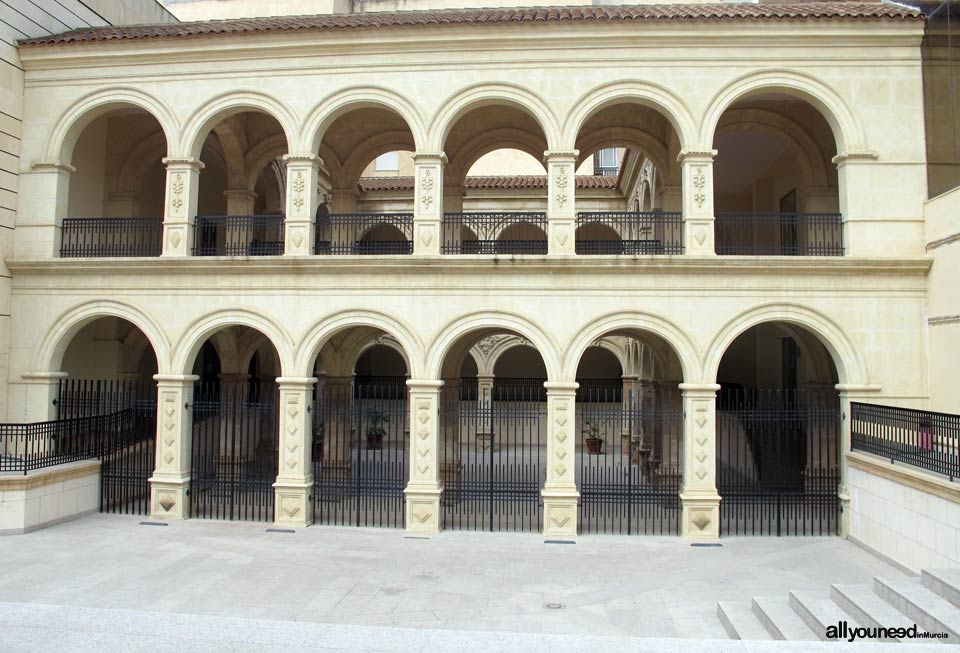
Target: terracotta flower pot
[(594, 446), (375, 441)]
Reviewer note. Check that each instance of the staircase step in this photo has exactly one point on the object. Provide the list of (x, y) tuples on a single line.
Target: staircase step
[(928, 610), (944, 582), (819, 613), (861, 603), (740, 622), (780, 620)]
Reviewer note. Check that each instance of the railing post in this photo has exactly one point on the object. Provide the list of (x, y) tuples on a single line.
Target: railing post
[(424, 489), (561, 201), (180, 208), (303, 199), (848, 393), (698, 212), (560, 495), (170, 482), (701, 503), (428, 202), (294, 486), (42, 198)]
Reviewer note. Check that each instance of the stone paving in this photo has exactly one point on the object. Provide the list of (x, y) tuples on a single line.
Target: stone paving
[(619, 586)]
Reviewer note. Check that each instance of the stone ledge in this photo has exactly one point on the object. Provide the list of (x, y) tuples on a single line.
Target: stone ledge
[(38, 478), (905, 475)]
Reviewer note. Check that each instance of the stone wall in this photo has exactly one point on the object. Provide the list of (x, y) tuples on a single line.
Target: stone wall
[(48, 496)]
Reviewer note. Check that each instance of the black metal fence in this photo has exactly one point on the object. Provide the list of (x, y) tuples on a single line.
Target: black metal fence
[(238, 235), (518, 389), (632, 233), (26, 447), (600, 390), (110, 237), (499, 233), (920, 438), (779, 234), (364, 233), (778, 461)]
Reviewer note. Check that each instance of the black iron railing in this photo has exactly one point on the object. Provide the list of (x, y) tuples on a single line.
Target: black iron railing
[(495, 233), (93, 237), (24, 447), (631, 233), (779, 234), (239, 235), (600, 390), (920, 438), (364, 233)]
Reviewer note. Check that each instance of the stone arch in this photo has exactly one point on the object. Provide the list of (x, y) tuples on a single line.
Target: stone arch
[(359, 97), (90, 107), (648, 94), (847, 358), (203, 119), (482, 144), (259, 156), (683, 345), (48, 356), (368, 150), (389, 343), (139, 160), (193, 337), (844, 122), (485, 94), (537, 337), (630, 137)]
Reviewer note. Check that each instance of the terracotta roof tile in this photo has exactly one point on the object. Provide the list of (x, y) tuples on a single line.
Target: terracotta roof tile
[(505, 181), (864, 10)]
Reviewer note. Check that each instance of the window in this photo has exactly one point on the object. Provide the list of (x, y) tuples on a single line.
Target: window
[(606, 161)]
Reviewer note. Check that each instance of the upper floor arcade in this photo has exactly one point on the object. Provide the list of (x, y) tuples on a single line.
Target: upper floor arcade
[(277, 153)]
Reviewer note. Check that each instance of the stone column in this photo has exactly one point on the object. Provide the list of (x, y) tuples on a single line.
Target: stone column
[(183, 183), (631, 401), (294, 486), (560, 494), (449, 437), (672, 199), (698, 215), (43, 198), (121, 204), (240, 201), (344, 200), (701, 503), (424, 489), (861, 236), (427, 201), (848, 393), (171, 477), (561, 201), (303, 172), (484, 401)]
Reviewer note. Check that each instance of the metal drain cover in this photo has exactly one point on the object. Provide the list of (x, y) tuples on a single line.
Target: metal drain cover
[(554, 606)]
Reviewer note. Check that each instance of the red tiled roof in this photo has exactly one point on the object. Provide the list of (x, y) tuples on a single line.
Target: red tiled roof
[(842, 10), (505, 181)]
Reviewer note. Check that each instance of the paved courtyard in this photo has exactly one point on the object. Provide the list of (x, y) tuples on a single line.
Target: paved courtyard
[(615, 586)]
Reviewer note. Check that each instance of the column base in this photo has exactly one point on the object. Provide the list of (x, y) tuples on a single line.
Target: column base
[(423, 509), (844, 524), (560, 512), (293, 503), (700, 519), (168, 498)]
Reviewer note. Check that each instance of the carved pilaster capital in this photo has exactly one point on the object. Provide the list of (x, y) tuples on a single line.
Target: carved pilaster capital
[(699, 156), (430, 157), (854, 156), (183, 163), (53, 166), (302, 160), (561, 156)]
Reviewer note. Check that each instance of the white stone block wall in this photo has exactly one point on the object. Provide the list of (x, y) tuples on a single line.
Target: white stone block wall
[(48, 496)]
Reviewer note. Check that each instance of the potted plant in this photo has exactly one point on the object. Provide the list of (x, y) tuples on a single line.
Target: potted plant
[(593, 439), (375, 428)]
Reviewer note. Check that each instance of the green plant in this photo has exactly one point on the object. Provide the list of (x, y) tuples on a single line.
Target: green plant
[(592, 427), (377, 417)]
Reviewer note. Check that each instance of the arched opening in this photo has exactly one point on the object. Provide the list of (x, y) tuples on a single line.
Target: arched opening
[(384, 239), (235, 454), (778, 429), (522, 238), (598, 238), (492, 432), (115, 203), (242, 189), (775, 187), (634, 148), (361, 434), (630, 434)]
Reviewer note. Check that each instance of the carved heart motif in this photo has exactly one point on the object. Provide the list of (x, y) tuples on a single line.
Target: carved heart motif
[(291, 462), (175, 239), (700, 236), (423, 433), (297, 237), (167, 502), (562, 236)]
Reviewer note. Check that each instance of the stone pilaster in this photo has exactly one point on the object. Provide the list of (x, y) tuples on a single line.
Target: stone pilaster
[(855, 177), (240, 201), (43, 195), (293, 488), (171, 476), (303, 177), (183, 182), (424, 489), (560, 494), (561, 201), (41, 394), (701, 503), (427, 201), (698, 214), (848, 393)]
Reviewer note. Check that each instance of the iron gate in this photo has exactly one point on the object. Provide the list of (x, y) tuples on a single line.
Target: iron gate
[(360, 454), (629, 464), (778, 462), (127, 450), (235, 451), (493, 459)]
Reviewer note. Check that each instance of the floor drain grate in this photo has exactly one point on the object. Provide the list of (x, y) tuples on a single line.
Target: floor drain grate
[(152, 523), (554, 606), (281, 530), (559, 542), (707, 544)]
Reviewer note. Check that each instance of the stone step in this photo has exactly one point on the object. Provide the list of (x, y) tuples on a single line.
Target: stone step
[(943, 582), (863, 604), (780, 620), (928, 610), (740, 622), (819, 613)]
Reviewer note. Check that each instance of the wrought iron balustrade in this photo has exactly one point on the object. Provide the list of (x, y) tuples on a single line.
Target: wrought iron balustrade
[(630, 233), (495, 233), (920, 438), (779, 234), (110, 237), (238, 235), (364, 233)]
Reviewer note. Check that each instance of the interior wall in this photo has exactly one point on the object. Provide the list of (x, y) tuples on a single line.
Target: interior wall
[(87, 183)]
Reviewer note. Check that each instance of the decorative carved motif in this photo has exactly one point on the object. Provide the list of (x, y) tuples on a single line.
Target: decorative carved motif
[(170, 409), (560, 517), (701, 520), (423, 450), (426, 188), (292, 430), (701, 419), (700, 235), (487, 345), (699, 186), (290, 506), (298, 187), (562, 182), (176, 191), (167, 501), (175, 238)]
